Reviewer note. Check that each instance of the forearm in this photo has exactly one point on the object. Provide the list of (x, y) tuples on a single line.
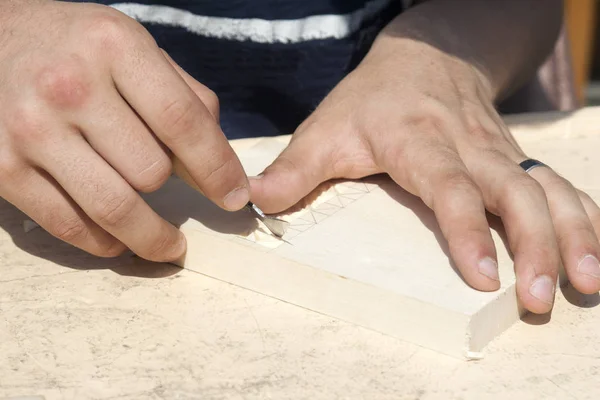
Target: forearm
[(506, 41)]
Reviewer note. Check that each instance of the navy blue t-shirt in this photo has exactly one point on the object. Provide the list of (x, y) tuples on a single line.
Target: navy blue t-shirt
[(271, 62)]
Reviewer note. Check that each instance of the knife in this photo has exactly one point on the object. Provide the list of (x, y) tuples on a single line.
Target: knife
[(276, 226)]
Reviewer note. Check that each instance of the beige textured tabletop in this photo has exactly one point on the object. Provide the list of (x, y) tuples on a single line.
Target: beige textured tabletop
[(76, 327)]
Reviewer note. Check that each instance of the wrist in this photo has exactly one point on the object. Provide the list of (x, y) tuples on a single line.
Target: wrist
[(407, 59), (505, 42)]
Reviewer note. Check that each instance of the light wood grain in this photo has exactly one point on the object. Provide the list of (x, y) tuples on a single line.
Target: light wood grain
[(380, 260)]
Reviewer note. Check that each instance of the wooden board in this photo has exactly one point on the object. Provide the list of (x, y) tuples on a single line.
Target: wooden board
[(369, 253)]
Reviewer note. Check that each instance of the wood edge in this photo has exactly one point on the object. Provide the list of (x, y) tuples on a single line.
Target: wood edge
[(329, 294), (494, 319)]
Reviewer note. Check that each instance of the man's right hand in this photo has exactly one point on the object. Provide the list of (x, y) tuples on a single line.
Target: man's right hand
[(91, 112)]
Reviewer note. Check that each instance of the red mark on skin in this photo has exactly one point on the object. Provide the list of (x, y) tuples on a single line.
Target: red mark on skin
[(64, 85)]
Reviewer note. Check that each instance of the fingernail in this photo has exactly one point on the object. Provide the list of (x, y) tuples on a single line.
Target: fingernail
[(542, 289), (590, 266), (489, 268), (237, 198)]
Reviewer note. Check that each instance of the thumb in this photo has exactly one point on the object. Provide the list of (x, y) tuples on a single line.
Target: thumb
[(298, 170)]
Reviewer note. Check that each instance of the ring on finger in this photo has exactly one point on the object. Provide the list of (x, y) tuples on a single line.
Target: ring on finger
[(530, 164)]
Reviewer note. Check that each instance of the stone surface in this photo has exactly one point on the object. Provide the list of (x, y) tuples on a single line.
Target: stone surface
[(77, 327)]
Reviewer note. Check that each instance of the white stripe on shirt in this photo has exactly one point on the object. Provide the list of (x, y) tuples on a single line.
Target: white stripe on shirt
[(254, 29)]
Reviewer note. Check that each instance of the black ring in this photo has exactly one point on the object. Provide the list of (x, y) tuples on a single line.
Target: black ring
[(530, 164)]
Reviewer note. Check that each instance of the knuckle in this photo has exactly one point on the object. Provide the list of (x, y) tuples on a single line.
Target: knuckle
[(454, 189), (395, 157), (585, 198), (487, 138), (482, 136), (24, 124), (153, 177), (10, 168), (446, 159), (478, 132), (114, 210), (70, 230), (428, 124), (518, 188), (218, 171), (457, 181), (578, 228), (178, 118), (462, 236), (559, 184), (493, 155), (546, 251), (595, 220), (110, 250), (285, 164), (64, 84), (211, 101), (107, 31), (160, 246)]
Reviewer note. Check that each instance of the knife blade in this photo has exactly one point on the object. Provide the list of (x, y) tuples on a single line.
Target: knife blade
[(277, 226)]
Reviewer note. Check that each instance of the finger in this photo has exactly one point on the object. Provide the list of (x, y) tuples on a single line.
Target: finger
[(208, 97), (576, 237), (521, 203), (298, 170), (183, 123), (591, 209), (446, 187), (108, 200), (115, 131), (39, 196)]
